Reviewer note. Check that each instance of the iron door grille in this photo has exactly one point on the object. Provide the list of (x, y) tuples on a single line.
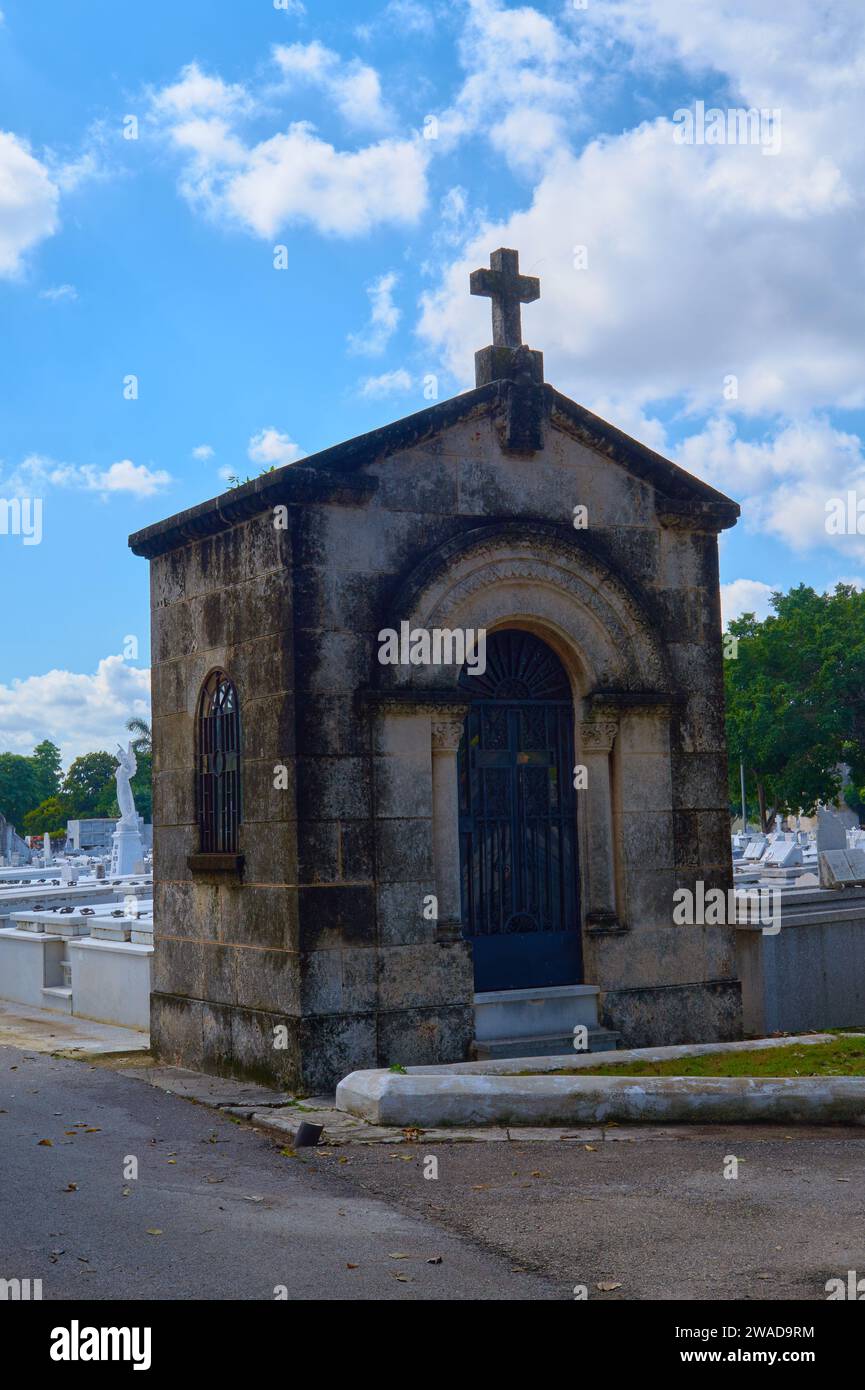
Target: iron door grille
[(517, 800)]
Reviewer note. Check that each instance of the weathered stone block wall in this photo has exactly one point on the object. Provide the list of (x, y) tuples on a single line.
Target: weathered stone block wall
[(381, 986), (226, 965)]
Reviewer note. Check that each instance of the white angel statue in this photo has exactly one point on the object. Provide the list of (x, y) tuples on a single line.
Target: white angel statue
[(127, 769)]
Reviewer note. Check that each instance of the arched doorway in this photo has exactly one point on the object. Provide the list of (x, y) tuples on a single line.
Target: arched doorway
[(518, 840)]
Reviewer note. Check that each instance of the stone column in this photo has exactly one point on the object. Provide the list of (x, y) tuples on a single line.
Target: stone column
[(596, 742), (447, 729)]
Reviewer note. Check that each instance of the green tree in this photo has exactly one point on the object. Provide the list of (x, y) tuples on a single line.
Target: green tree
[(18, 787), (51, 815), (142, 786), (87, 780), (796, 699), (46, 761), (143, 741)]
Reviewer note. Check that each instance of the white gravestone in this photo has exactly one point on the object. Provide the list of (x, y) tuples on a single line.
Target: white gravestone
[(126, 847), (783, 854), (842, 868), (831, 833), (755, 850)]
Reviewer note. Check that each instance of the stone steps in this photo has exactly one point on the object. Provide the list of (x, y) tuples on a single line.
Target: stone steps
[(538, 1022), (58, 998), (549, 1045)]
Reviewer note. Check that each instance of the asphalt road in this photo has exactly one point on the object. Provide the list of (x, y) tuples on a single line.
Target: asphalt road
[(218, 1212), (650, 1213), (235, 1219)]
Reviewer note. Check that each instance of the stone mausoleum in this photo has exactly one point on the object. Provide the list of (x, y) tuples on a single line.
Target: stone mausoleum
[(438, 730)]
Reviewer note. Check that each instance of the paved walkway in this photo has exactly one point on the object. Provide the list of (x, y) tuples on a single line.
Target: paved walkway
[(40, 1030), (217, 1211), (631, 1212)]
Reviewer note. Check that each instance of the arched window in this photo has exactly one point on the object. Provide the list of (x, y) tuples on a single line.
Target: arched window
[(218, 765)]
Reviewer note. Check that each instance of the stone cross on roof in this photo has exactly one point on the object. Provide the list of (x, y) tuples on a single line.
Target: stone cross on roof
[(508, 289)]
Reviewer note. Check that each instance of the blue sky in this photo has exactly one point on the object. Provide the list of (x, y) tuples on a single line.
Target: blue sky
[(262, 125)]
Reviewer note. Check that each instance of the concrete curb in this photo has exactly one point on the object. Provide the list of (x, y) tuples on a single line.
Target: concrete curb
[(468, 1101), (468, 1094)]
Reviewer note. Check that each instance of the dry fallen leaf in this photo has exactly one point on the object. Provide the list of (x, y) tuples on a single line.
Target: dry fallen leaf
[(398, 1255), (607, 1285), (71, 1187), (434, 1260), (590, 1148), (348, 1266), (153, 1231), (46, 1143)]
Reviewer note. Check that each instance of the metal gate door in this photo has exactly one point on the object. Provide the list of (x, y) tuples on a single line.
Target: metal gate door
[(518, 843)]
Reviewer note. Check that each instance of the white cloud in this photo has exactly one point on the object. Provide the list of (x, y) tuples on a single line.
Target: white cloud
[(527, 136), (29, 201), (202, 452), (126, 476), (270, 447), (58, 293), (674, 245), (745, 596), (36, 474), (703, 261), (293, 177), (384, 317), (199, 93), (388, 384), (783, 53), (785, 480), (80, 713), (409, 17), (353, 87), (523, 76)]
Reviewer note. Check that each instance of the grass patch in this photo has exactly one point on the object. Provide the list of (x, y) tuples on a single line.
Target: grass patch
[(844, 1056)]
